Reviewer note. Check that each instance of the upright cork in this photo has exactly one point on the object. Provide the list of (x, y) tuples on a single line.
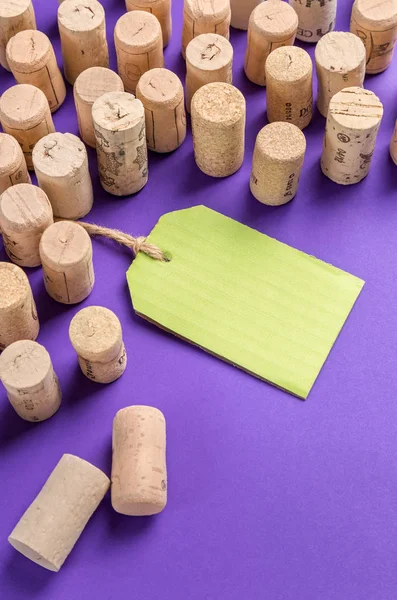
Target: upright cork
[(15, 16), (119, 124), (393, 145), (272, 24), (161, 93), (354, 117), (95, 334), (289, 86), (13, 169), (61, 164), (241, 12), (25, 114), (161, 9), (66, 256), (32, 60), (51, 526), (205, 16), (89, 86), (82, 29), (209, 58), (316, 18), (375, 23), (278, 158), (340, 63), (139, 471)]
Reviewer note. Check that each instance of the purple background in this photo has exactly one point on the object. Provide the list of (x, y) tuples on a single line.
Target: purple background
[(269, 497)]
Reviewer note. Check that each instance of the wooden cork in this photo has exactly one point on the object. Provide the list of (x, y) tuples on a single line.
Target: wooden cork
[(95, 334), (161, 9), (289, 94), (83, 36), (241, 12), (90, 85), (13, 169), (61, 164), (119, 124), (15, 16), (340, 63), (139, 471), (272, 24), (353, 122), (278, 158), (161, 93), (25, 114), (18, 315), (51, 526), (32, 60), (205, 16), (316, 18), (66, 256), (209, 58), (393, 145)]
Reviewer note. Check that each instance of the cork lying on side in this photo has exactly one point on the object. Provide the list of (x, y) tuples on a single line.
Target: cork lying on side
[(15, 16)]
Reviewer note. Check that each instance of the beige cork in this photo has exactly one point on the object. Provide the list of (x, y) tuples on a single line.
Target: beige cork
[(82, 29), (340, 63), (25, 114), (375, 23), (18, 315), (15, 16), (354, 117), (241, 12), (205, 16), (89, 86), (32, 60), (95, 334), (51, 526), (272, 24), (161, 9), (209, 58), (139, 471), (66, 256), (393, 145), (13, 169), (316, 18), (119, 124), (289, 94), (161, 93), (276, 167), (61, 165)]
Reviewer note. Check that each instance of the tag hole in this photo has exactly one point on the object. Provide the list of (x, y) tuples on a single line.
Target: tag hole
[(167, 257)]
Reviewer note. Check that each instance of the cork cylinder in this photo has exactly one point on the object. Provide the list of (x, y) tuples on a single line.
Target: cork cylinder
[(95, 334), (316, 18), (15, 16), (119, 124), (66, 256), (354, 117), (51, 526), (272, 24), (139, 46), (13, 169), (161, 93), (32, 60), (205, 16), (241, 12), (289, 94), (61, 165), (209, 58), (139, 471), (90, 85), (83, 36), (18, 315), (161, 9), (340, 63), (393, 145), (25, 114)]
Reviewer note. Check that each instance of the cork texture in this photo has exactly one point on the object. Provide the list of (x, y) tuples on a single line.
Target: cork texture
[(316, 18), (241, 12), (15, 16), (13, 169), (205, 16), (161, 9), (393, 145)]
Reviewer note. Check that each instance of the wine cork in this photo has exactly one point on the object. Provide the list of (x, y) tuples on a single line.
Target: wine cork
[(89, 86), (375, 23), (393, 145), (139, 46), (15, 16), (353, 121), (66, 256), (13, 169), (25, 114), (316, 18), (277, 163), (18, 315), (119, 124), (32, 60), (241, 12), (139, 471), (272, 24), (161, 93), (205, 16), (209, 58), (61, 165), (340, 63), (95, 334), (51, 526), (83, 36), (161, 9), (289, 86)]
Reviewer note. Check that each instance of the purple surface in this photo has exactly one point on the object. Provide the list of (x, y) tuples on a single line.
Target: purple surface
[(269, 497)]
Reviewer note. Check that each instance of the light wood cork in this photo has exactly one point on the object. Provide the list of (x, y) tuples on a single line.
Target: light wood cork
[(393, 145), (354, 117), (161, 9), (205, 16), (316, 18), (15, 16), (241, 12), (139, 471), (51, 526), (13, 169)]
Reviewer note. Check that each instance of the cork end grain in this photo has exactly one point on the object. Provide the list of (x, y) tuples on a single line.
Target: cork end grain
[(59, 154), (23, 104), (161, 88), (209, 52), (288, 63), (219, 103), (377, 14), (117, 111), (14, 286), (24, 364), (25, 207), (94, 82), (14, 8), (78, 15), (274, 18), (10, 154), (95, 334), (356, 108), (207, 9), (281, 142), (340, 52), (138, 29), (64, 244), (32, 554), (28, 50)]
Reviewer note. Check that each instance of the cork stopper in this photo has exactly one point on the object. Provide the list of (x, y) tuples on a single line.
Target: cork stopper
[(205, 16), (379, 15), (15, 16), (161, 9), (241, 12), (13, 168), (393, 145), (13, 8), (316, 18)]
